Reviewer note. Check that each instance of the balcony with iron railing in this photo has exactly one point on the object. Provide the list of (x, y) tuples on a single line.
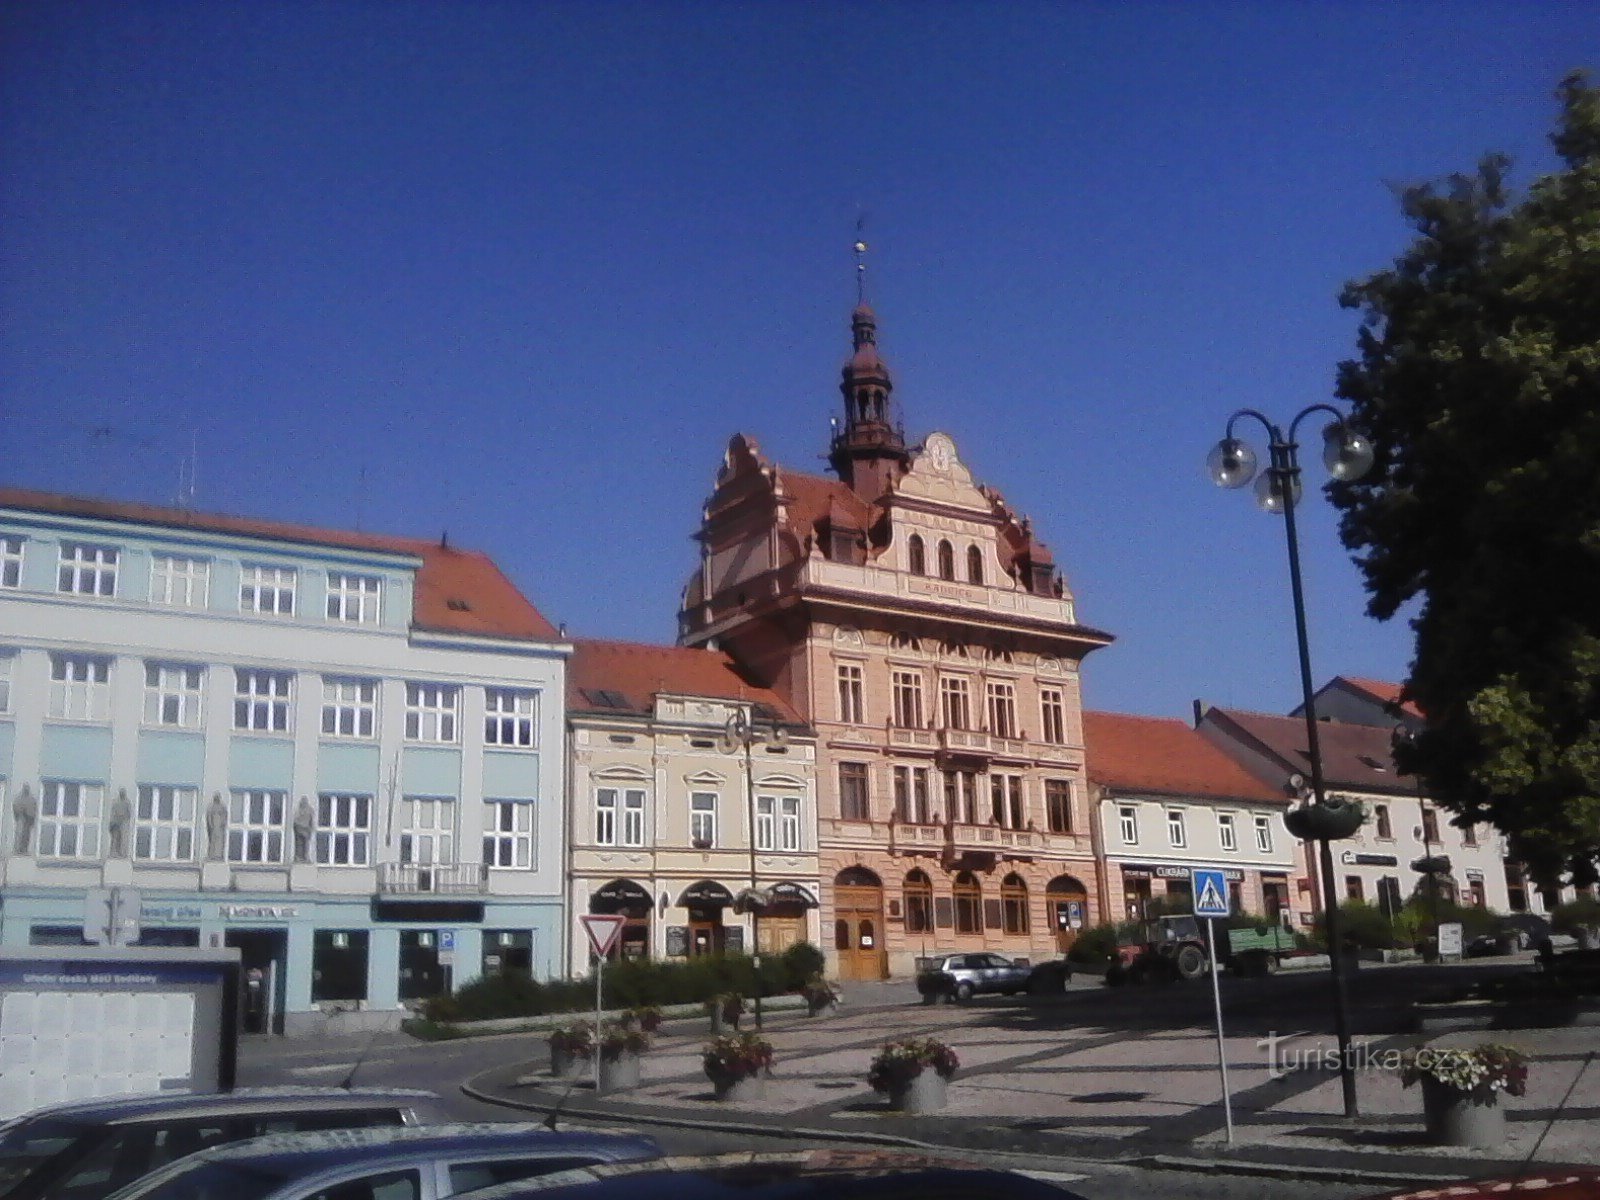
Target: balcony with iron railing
[(418, 879)]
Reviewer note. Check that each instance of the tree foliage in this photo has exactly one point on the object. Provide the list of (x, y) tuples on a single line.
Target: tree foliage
[(1477, 376)]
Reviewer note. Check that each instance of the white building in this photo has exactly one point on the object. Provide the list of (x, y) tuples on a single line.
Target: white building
[(339, 752)]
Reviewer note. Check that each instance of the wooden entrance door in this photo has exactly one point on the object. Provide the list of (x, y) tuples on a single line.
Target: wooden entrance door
[(779, 933), (1067, 902), (858, 925)]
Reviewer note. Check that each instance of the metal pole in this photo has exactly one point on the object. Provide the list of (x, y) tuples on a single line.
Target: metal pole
[(1285, 469), (1222, 1053), (755, 911), (599, 987)]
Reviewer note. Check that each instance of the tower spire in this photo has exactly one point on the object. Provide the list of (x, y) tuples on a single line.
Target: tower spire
[(869, 452)]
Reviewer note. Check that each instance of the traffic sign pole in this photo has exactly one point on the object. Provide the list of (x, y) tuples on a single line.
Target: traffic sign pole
[(1210, 894), (602, 930), (1222, 1053)]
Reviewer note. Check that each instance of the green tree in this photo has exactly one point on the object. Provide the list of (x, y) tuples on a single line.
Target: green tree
[(1478, 378)]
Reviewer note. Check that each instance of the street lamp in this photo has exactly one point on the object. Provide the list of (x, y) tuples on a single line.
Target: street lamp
[(741, 731), (1347, 456)]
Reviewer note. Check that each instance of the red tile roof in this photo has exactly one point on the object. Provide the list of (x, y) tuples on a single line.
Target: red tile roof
[(635, 671), (1387, 694), (813, 498), (1159, 754), (457, 591), (1354, 757)]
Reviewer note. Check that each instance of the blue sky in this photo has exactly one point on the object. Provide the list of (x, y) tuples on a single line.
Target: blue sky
[(517, 271)]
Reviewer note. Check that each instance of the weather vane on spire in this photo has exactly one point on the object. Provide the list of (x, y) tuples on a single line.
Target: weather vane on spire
[(861, 261)]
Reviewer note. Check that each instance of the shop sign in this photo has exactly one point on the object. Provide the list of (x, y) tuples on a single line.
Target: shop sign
[(257, 912), (1352, 858), (170, 912), (1163, 871)]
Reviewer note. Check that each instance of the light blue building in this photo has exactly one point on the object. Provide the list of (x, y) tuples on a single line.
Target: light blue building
[(341, 753)]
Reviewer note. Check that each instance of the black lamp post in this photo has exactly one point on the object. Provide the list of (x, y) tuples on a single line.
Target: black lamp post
[(742, 731), (1232, 464)]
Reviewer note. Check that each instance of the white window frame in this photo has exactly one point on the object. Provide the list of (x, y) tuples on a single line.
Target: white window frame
[(8, 664), (349, 707), (606, 802), (179, 581), (174, 694), (633, 817), (766, 822), (1053, 715), (906, 691), (789, 824), (1227, 835), (1177, 829), (256, 819), (164, 823), (11, 551), (354, 598), (263, 701), (87, 569), (852, 705), (508, 835), (955, 702), (703, 819), (433, 712), (70, 813), (1001, 702), (1264, 834), (80, 687), (343, 835), (428, 830), (266, 590), (511, 718), (1128, 817)]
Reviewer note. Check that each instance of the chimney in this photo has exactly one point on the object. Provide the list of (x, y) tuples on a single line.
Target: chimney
[(1200, 710)]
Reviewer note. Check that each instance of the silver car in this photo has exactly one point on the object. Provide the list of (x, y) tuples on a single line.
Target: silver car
[(87, 1149), (429, 1163), (963, 976)]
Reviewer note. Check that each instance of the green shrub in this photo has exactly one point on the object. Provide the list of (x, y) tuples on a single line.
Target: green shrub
[(1360, 925), (1575, 915), (802, 962), (1096, 944)]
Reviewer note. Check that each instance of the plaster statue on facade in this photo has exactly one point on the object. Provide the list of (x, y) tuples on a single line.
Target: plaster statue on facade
[(117, 827), (217, 829), (305, 823), (25, 815)]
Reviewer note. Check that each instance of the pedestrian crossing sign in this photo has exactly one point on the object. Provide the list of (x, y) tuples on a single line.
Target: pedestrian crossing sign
[(1210, 893)]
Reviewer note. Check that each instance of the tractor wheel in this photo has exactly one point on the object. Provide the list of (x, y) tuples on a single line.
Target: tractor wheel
[(1191, 962)]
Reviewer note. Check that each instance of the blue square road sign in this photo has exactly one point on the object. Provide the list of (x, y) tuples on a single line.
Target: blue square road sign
[(1210, 892)]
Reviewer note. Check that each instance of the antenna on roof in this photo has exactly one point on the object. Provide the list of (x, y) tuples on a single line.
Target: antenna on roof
[(444, 540), (361, 494), (861, 259), (189, 473)]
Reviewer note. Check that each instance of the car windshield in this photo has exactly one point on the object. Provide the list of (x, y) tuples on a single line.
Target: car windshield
[(27, 1145), (206, 1180)]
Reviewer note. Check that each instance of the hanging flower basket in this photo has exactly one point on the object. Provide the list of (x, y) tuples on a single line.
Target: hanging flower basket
[(1461, 1091), (738, 1065), (913, 1073), (1333, 820)]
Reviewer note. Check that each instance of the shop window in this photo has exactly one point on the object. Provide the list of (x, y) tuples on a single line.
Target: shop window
[(339, 965)]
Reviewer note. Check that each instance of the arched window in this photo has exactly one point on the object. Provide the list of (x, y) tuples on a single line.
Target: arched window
[(947, 560), (974, 565), (916, 557), (969, 904), (1014, 903), (919, 903)]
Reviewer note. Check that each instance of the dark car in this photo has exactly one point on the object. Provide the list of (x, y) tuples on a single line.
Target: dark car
[(963, 976), (1512, 932), (798, 1175), (430, 1163), (89, 1148), (1049, 977)]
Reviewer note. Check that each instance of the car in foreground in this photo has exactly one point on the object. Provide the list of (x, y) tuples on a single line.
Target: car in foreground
[(429, 1163), (963, 976), (833, 1174), (87, 1149)]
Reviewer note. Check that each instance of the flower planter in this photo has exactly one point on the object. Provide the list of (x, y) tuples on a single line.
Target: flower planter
[(721, 1024), (1332, 820), (1454, 1119), (565, 1065), (742, 1089), (922, 1093), (620, 1073)]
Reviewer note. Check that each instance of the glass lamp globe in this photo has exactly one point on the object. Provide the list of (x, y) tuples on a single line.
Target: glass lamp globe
[(1231, 463), (1345, 453), (1269, 492)]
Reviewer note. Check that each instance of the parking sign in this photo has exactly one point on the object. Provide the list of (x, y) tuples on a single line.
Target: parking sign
[(1210, 893)]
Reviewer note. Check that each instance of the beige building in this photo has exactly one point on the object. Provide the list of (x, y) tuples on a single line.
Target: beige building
[(664, 793), (921, 627)]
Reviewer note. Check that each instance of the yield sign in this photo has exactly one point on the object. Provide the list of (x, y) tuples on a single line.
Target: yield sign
[(603, 929)]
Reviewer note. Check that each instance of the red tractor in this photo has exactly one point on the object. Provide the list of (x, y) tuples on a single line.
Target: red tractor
[(1171, 948)]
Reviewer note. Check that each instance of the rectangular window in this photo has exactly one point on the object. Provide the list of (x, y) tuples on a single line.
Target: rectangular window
[(1385, 830), (1227, 838), (354, 598), (163, 823), (908, 699), (266, 590), (508, 834), (1129, 818), (766, 821), (1353, 888), (87, 570), (955, 703), (961, 796), (349, 707), (1058, 804), (605, 817), (80, 687), (1389, 896), (633, 817), (1469, 833), (1264, 834), (8, 662), (69, 819), (1005, 800), (789, 823), (431, 712), (1177, 831), (261, 700), (1053, 715), (428, 830), (851, 709), (10, 561), (1430, 826), (173, 693), (1002, 710), (703, 820), (509, 718), (255, 826), (180, 581), (921, 809), (344, 829), (854, 802)]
